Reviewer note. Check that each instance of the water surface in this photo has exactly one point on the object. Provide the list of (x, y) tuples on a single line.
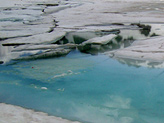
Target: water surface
[(86, 88)]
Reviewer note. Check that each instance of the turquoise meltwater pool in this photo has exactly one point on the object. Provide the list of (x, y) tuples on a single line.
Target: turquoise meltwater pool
[(94, 89)]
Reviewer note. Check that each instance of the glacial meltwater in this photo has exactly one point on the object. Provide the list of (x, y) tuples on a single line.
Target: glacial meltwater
[(86, 88)]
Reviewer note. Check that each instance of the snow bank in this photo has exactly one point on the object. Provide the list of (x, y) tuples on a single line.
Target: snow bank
[(38, 39), (149, 50), (100, 40), (38, 22), (16, 114)]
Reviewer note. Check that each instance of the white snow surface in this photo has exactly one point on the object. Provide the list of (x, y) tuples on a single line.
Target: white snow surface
[(100, 40), (148, 51), (16, 114)]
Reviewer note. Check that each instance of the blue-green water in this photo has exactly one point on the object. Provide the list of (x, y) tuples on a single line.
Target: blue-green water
[(86, 88)]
